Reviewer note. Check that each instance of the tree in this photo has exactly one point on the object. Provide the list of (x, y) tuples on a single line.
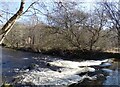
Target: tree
[(67, 20), (96, 22), (9, 24), (113, 12), (7, 27)]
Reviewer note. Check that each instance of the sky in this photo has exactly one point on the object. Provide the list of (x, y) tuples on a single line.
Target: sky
[(45, 0), (17, 2), (57, 0), (13, 5)]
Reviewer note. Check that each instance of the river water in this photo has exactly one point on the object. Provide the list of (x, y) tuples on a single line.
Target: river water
[(13, 60)]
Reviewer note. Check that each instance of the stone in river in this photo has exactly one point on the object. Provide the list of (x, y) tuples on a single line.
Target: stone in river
[(105, 65)]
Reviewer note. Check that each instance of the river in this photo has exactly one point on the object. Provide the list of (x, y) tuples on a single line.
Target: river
[(13, 60)]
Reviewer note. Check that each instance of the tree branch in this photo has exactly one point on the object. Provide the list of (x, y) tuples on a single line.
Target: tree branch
[(7, 27)]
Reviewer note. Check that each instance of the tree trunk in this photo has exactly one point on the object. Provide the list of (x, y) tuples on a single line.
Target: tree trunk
[(9, 24), (119, 42)]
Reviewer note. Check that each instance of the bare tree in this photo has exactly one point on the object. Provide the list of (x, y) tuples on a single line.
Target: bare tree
[(96, 22), (113, 12), (7, 27), (9, 24), (67, 20)]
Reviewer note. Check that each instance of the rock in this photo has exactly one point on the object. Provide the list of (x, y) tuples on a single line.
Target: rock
[(89, 77), (101, 77), (32, 66), (106, 72), (59, 71), (73, 85), (73, 64), (48, 64), (83, 73), (105, 65), (16, 70), (27, 70)]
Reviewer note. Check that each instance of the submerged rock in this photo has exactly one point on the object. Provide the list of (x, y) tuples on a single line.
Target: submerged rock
[(67, 73), (49, 78), (32, 66), (16, 70), (73, 64), (105, 65), (106, 72)]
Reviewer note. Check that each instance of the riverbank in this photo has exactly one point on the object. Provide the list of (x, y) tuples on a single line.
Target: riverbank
[(72, 54)]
